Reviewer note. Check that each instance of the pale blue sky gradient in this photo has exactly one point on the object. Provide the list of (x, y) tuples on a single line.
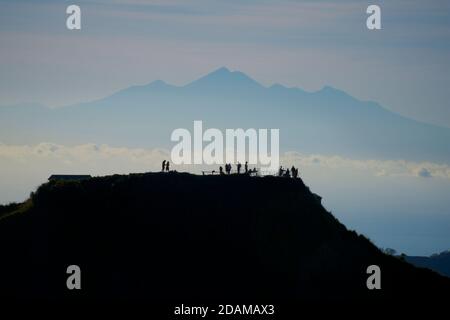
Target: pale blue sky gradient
[(308, 44)]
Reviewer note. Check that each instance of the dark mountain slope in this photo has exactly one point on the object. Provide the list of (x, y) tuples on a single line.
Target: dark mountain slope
[(438, 262), (182, 237)]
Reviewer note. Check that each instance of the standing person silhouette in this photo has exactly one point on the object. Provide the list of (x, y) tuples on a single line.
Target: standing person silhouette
[(239, 165), (163, 166), (287, 174), (246, 167), (280, 171), (167, 166), (221, 170), (294, 172)]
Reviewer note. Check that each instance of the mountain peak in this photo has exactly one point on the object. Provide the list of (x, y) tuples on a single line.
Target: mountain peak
[(224, 78), (224, 70)]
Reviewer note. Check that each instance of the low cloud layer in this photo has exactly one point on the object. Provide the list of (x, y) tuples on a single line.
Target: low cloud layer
[(87, 156), (376, 167), (103, 159)]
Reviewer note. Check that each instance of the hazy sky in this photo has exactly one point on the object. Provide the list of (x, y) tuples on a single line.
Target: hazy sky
[(308, 44)]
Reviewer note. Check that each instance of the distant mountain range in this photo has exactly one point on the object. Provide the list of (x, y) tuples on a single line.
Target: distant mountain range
[(328, 121), (437, 262)]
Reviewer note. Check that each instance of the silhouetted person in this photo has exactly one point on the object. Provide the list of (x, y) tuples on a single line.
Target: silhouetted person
[(167, 166), (287, 173), (228, 168), (246, 167), (280, 172), (221, 171), (294, 172), (163, 166), (239, 165)]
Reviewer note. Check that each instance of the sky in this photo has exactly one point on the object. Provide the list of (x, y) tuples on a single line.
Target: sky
[(307, 44)]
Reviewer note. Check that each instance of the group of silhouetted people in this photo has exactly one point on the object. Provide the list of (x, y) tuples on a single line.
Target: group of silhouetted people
[(227, 168), (281, 172), (165, 166), (286, 173), (239, 168)]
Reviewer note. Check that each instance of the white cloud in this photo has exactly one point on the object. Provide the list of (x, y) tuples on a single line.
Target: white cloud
[(104, 159), (91, 155), (376, 167)]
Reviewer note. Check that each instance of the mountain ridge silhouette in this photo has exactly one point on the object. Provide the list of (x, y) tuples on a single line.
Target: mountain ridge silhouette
[(182, 237), (328, 121)]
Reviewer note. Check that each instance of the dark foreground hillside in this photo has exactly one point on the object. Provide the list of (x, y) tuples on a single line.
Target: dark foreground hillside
[(181, 237)]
